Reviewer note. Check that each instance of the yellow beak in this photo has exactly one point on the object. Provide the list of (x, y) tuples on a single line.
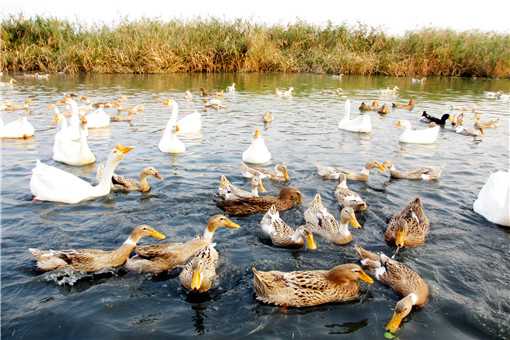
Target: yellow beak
[(310, 242), (157, 235), (177, 128), (400, 238), (394, 323), (261, 186), (231, 225), (354, 222), (56, 119), (381, 167), (286, 175), (364, 277), (124, 149), (196, 280), (257, 133)]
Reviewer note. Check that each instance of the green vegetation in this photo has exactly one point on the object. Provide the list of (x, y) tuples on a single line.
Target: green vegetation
[(154, 46)]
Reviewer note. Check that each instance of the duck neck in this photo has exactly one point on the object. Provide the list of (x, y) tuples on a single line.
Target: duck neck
[(344, 228), (347, 109), (121, 254), (209, 233), (104, 185), (144, 183), (175, 111)]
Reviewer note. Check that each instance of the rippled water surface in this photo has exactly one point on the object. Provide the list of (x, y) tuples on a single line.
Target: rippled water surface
[(465, 260)]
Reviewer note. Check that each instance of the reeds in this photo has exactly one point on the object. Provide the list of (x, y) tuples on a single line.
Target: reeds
[(211, 45)]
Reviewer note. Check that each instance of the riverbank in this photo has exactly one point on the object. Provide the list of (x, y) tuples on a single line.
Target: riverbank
[(153, 46)]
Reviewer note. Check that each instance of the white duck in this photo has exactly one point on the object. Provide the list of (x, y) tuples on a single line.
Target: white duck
[(422, 136), (69, 151), (282, 93), (19, 128), (257, 152), (190, 124), (98, 118), (52, 184), (493, 201), (169, 142), (231, 88), (358, 124), (73, 128)]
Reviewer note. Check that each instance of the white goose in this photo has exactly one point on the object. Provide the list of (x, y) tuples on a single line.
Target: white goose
[(493, 201), (422, 136), (98, 118), (190, 124), (169, 142), (358, 124), (69, 151), (19, 128), (52, 184), (257, 152)]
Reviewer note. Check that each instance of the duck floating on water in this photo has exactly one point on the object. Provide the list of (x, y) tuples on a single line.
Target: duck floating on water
[(422, 136), (227, 191), (493, 200), (425, 117), (410, 227), (169, 142), (19, 128), (279, 174), (409, 106), (75, 152), (348, 198), (425, 173), (121, 183), (257, 152), (359, 124), (199, 272), (333, 173)]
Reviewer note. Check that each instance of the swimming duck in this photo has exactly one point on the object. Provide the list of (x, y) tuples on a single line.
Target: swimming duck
[(425, 117), (494, 199), (121, 183), (163, 257), (199, 272), (9, 106), (92, 260), (214, 104), (190, 124), (280, 173), (203, 92), (418, 81), (282, 235), (52, 184), (399, 277), (409, 106), (364, 107), (257, 152), (309, 288), (383, 110), (188, 95), (426, 173), (361, 123), (70, 151), (169, 142), (490, 124), (329, 172), (284, 93), (287, 199), (123, 118), (389, 91), (423, 136), (375, 105), (410, 227), (348, 198), (231, 88), (19, 128), (10, 83), (98, 118), (324, 224), (476, 132), (228, 191), (268, 117)]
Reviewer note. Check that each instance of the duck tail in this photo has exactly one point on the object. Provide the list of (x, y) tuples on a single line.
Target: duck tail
[(35, 252), (365, 254)]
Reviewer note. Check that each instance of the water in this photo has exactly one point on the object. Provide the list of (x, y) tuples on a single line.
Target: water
[(465, 259)]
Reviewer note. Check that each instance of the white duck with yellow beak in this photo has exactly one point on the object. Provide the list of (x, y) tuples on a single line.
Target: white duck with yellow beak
[(52, 184), (361, 123), (190, 124), (169, 142), (421, 136), (69, 151), (19, 128), (257, 152)]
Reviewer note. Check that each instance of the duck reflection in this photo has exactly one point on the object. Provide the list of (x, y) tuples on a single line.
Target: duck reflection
[(346, 327)]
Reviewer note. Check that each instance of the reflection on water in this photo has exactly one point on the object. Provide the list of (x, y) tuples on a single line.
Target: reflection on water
[(465, 260)]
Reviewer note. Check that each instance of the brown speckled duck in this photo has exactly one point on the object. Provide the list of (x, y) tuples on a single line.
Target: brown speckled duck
[(409, 106), (425, 173), (399, 277), (348, 198), (410, 227), (280, 173), (333, 173), (92, 260), (199, 272), (121, 183), (309, 288)]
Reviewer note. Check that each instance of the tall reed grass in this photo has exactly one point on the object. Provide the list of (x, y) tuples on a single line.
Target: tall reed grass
[(211, 45)]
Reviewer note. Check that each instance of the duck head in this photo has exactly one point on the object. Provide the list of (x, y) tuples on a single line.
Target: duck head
[(120, 151), (291, 194), (145, 230), (348, 273), (282, 168), (151, 171), (220, 221), (308, 238), (402, 309), (401, 233), (256, 182), (347, 216)]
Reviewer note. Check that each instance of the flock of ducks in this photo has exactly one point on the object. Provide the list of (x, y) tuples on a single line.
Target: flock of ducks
[(198, 257)]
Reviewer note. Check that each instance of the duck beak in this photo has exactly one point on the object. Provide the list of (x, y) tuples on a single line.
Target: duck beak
[(257, 133), (397, 124), (286, 175), (177, 128), (124, 149), (310, 242), (231, 225), (158, 176), (365, 278), (400, 238), (261, 186), (196, 280), (354, 222), (394, 323), (56, 119), (157, 235)]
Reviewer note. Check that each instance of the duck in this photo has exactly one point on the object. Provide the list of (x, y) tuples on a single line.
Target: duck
[(231, 88), (364, 107), (409, 106), (425, 173), (492, 94), (123, 118), (203, 92), (169, 142), (164, 257), (389, 91), (348, 198), (284, 93), (228, 191), (49, 183), (309, 288), (219, 94), (199, 272), (267, 118), (399, 277), (361, 123), (190, 124), (188, 95), (257, 152), (426, 118), (288, 198), (9, 106), (98, 118), (408, 228), (279, 174), (493, 199), (19, 128), (323, 223), (74, 126), (490, 124), (333, 173), (10, 83), (214, 104), (121, 183), (93, 260), (375, 105), (282, 235), (383, 110), (418, 81), (475, 132), (75, 152), (423, 136)]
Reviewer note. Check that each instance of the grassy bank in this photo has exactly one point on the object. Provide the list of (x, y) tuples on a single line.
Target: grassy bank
[(153, 46)]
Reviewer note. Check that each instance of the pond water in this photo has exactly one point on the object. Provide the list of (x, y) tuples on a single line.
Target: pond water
[(465, 259)]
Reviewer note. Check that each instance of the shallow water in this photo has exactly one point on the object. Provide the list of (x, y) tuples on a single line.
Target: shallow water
[(465, 260)]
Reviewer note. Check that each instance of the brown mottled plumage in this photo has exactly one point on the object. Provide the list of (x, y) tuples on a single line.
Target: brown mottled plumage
[(329, 172), (409, 106), (348, 198), (426, 173), (199, 272), (121, 183), (408, 228)]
